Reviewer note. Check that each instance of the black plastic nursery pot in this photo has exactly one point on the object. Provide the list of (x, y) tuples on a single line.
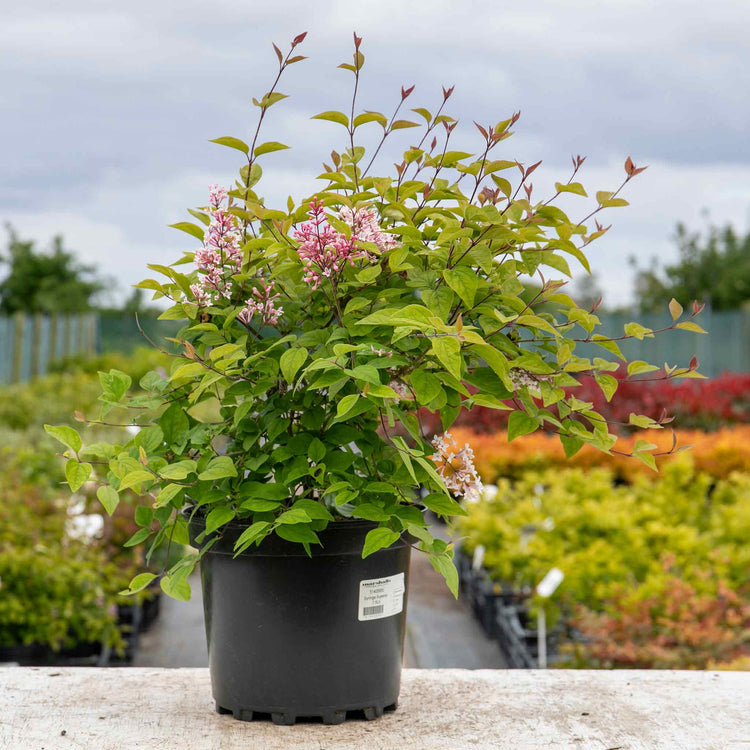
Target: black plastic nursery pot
[(296, 636)]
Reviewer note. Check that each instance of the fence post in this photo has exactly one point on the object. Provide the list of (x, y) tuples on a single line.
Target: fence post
[(18, 324), (53, 320), (66, 336), (36, 345)]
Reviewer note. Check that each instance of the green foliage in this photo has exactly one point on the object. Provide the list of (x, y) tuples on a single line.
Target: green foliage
[(55, 590), (45, 283), (318, 398), (608, 538), (714, 268)]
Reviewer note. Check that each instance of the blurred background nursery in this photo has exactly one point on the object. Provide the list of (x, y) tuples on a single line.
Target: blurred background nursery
[(641, 568)]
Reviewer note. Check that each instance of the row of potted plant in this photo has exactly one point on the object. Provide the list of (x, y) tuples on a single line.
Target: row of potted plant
[(633, 558), (717, 454)]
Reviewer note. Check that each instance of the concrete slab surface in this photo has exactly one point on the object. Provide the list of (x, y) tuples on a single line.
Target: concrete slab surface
[(111, 709)]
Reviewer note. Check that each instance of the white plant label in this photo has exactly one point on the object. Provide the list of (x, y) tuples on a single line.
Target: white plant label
[(550, 582), (381, 597)]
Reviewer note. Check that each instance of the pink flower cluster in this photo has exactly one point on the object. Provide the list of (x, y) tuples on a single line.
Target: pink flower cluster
[(456, 467), (325, 251), (221, 253), (365, 226), (262, 304), (221, 257)]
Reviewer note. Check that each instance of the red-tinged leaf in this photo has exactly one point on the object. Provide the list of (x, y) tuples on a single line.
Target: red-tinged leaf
[(629, 166), (481, 129), (79, 417), (405, 92), (278, 52), (357, 40), (299, 38), (447, 92), (531, 169), (639, 170), (693, 364)]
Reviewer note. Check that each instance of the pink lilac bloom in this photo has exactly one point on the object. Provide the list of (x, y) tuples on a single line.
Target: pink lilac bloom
[(221, 251), (324, 251), (262, 304), (365, 226), (456, 467)]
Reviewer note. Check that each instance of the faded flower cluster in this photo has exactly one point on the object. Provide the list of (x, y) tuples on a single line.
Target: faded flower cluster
[(456, 467), (524, 379), (325, 251), (365, 227), (221, 257)]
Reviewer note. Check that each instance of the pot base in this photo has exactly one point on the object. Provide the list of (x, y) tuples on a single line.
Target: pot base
[(287, 718)]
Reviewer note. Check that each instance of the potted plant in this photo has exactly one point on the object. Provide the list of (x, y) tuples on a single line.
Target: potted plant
[(285, 444)]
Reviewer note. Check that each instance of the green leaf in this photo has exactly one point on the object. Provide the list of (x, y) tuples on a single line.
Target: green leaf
[(448, 351), (366, 117), (269, 147), (463, 281), (443, 505), (230, 142), (443, 564), (639, 366), (688, 325), (174, 424), (573, 187), (291, 361), (192, 229), (256, 531), (346, 405), (167, 495), (218, 517), (66, 435), (638, 331), (179, 470), (138, 583), (675, 308), (571, 445), (177, 587), (520, 423), (77, 474), (219, 468), (316, 451), (108, 497), (297, 533), (426, 385), (378, 539), (140, 536), (293, 515), (607, 383), (333, 116)]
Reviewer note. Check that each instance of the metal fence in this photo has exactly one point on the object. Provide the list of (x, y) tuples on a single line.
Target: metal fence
[(725, 348), (28, 343)]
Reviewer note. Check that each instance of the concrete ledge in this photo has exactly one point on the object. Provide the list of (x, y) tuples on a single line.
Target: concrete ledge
[(442, 708)]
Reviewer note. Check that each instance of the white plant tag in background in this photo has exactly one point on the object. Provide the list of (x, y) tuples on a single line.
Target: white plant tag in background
[(381, 597), (550, 582)]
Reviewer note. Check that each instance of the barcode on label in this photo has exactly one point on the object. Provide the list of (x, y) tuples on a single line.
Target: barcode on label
[(381, 597)]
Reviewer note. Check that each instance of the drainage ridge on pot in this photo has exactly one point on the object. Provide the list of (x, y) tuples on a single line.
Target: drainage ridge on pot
[(296, 636)]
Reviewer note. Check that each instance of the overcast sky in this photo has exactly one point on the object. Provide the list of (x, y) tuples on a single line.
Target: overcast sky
[(106, 108)]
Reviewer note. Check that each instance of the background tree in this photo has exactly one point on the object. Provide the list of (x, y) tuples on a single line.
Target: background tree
[(39, 282), (714, 268)]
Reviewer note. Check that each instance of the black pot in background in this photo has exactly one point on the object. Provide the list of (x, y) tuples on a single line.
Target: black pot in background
[(289, 635)]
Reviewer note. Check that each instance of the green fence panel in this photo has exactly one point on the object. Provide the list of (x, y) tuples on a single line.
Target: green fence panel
[(726, 348), (28, 343), (120, 332)]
